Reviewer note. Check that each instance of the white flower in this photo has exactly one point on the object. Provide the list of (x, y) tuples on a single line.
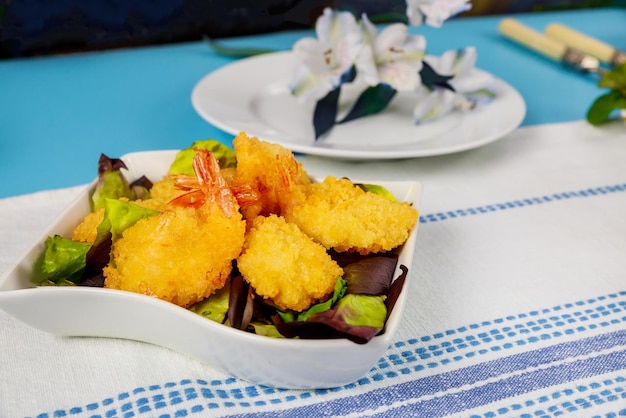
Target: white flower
[(467, 80), (472, 88), (328, 58), (392, 56), (434, 104), (435, 12)]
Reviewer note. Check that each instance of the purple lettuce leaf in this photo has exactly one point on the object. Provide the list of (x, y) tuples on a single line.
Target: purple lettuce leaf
[(241, 303), (371, 275), (358, 318)]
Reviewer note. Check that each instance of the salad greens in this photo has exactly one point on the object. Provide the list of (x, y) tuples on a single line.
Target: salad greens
[(112, 183), (63, 262), (377, 189), (183, 161), (66, 261), (603, 108), (215, 307), (357, 309), (119, 215)]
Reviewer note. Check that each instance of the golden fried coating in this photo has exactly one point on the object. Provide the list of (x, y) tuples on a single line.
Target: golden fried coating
[(270, 171), (185, 253), (282, 264), (181, 255), (161, 193), (86, 231), (342, 216)]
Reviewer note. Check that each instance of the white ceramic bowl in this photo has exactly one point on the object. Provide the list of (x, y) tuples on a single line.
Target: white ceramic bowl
[(89, 311)]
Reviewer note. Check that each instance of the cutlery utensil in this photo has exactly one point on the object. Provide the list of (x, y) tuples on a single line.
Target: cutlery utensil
[(547, 46), (586, 44)]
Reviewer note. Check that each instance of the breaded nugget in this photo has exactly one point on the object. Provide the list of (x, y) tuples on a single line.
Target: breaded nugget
[(177, 255), (86, 231), (270, 171), (284, 265), (161, 193), (342, 216), (185, 253)]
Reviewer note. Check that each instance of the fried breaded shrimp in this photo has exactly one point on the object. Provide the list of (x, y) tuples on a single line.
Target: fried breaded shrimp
[(185, 253), (282, 264), (342, 216), (86, 231), (165, 189), (161, 193), (271, 173)]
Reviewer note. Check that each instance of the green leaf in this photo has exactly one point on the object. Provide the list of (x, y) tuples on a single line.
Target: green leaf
[(390, 17), (234, 52), (286, 316), (362, 310), (183, 162), (340, 289), (215, 307), (119, 215), (267, 330), (431, 79), (325, 112), (63, 260), (373, 100), (111, 184), (615, 79), (379, 190), (601, 109)]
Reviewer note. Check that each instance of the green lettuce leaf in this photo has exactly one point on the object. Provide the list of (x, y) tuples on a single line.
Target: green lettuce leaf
[(361, 310), (111, 184), (215, 307), (340, 289), (358, 318), (119, 215), (64, 261), (183, 162), (377, 189), (267, 330)]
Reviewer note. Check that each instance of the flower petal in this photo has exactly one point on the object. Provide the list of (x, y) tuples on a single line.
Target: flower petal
[(311, 53), (400, 75), (369, 31), (433, 105), (435, 12), (366, 66), (328, 58), (473, 81), (307, 85)]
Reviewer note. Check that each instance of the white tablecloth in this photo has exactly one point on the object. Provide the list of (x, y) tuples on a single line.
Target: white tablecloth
[(517, 303)]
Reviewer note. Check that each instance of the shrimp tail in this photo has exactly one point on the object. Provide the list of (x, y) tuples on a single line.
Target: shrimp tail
[(208, 186)]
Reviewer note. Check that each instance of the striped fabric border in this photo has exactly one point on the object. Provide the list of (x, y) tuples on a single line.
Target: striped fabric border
[(599, 324), (595, 191), (441, 392)]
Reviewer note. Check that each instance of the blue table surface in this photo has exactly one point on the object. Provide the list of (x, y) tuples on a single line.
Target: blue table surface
[(59, 113)]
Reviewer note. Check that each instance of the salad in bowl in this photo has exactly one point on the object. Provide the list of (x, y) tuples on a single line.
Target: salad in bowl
[(234, 256)]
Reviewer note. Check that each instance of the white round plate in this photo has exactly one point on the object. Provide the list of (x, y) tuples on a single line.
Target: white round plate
[(251, 95)]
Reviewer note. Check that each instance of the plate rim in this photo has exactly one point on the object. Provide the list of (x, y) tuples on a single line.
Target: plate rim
[(198, 96)]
